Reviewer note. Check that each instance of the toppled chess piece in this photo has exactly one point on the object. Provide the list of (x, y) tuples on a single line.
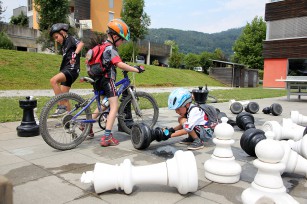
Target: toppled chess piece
[(245, 121), (294, 162), (179, 172), (298, 118), (142, 135), (237, 107), (222, 167), (275, 109), (268, 182), (288, 129)]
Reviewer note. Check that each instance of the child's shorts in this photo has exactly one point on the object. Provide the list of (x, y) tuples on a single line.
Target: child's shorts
[(204, 133)]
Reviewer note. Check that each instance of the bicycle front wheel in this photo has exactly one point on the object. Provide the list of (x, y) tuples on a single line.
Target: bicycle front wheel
[(65, 131), (144, 110), (211, 99)]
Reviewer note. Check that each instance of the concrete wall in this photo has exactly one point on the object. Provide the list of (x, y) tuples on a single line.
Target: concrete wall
[(22, 37)]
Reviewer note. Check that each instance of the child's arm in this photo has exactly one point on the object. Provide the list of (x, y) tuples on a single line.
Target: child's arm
[(179, 133), (79, 47), (127, 67)]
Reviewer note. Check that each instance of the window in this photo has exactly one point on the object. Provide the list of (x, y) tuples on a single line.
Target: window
[(111, 3), (111, 15), (30, 5), (297, 67)]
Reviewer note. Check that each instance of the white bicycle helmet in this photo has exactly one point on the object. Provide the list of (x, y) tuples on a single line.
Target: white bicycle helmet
[(178, 98)]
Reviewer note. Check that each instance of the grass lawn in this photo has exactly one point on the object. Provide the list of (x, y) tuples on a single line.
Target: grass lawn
[(10, 110)]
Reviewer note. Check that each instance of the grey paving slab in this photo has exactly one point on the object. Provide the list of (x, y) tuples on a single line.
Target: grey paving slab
[(41, 174)]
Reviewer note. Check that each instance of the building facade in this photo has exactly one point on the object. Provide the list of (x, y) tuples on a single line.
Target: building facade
[(99, 11), (285, 47)]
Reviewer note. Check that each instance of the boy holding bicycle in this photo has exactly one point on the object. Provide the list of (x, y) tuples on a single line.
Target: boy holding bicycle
[(118, 32)]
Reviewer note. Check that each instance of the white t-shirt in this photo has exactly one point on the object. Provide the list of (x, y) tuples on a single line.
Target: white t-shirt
[(196, 116)]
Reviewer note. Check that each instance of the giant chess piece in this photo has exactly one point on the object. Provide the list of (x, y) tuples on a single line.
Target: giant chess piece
[(275, 109), (299, 146), (237, 107), (200, 95), (142, 135), (245, 121), (179, 172), (222, 167), (294, 162), (268, 182), (298, 118), (28, 126), (250, 139), (288, 130)]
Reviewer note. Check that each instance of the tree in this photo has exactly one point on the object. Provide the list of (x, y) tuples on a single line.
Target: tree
[(21, 20), (248, 48), (176, 60), (191, 60), (135, 17), (205, 60), (172, 43), (2, 10), (50, 12)]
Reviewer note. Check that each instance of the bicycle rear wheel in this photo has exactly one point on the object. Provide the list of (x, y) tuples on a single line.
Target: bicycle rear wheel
[(149, 111), (64, 132)]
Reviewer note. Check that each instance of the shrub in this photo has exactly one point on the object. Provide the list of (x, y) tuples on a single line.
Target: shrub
[(5, 42)]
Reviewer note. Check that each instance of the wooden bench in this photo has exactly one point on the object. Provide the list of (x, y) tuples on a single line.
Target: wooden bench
[(296, 85)]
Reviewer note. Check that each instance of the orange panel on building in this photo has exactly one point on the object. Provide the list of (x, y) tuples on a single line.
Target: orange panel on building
[(275, 69)]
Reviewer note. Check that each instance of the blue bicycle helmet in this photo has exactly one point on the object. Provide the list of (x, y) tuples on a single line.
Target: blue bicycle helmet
[(178, 98)]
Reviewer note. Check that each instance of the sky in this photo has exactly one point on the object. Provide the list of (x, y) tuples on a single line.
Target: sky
[(207, 16)]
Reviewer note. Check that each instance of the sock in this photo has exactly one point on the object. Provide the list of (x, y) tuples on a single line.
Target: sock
[(107, 133)]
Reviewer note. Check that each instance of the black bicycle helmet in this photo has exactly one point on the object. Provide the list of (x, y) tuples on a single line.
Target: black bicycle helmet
[(56, 28)]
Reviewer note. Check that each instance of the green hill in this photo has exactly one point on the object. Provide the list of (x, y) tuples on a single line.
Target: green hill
[(26, 70), (197, 42)]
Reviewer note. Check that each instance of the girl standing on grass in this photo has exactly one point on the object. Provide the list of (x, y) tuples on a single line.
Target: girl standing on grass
[(70, 66)]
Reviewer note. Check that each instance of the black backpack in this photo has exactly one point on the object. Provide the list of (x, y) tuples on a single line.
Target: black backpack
[(211, 113)]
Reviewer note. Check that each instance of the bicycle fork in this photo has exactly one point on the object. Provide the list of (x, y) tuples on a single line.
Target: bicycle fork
[(134, 102)]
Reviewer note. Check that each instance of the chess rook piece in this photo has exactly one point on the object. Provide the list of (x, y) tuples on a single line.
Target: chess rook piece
[(298, 118), (288, 130), (222, 167), (250, 139), (142, 135), (275, 109), (179, 172), (268, 182), (200, 95), (28, 126), (245, 121)]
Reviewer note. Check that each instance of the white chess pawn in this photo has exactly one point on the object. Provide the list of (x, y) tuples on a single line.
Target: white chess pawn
[(288, 130), (298, 118), (299, 146), (268, 182), (179, 172), (222, 167)]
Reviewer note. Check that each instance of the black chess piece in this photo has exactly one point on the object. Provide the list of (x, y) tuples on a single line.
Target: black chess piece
[(142, 135), (245, 121), (28, 126), (275, 109), (249, 140)]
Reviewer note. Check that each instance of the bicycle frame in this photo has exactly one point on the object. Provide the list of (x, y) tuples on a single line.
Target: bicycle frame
[(125, 83)]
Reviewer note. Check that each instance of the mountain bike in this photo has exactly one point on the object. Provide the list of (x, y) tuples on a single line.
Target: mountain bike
[(70, 129)]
